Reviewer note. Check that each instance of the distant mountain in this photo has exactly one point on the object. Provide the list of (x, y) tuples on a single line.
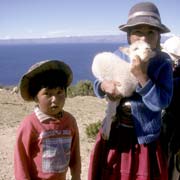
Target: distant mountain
[(121, 38)]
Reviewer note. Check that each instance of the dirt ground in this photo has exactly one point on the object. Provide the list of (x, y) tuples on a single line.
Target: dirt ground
[(86, 110)]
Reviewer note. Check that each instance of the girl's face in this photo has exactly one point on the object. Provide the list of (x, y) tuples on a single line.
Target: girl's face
[(146, 33), (51, 101)]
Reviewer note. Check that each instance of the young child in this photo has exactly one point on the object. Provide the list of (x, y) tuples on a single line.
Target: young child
[(47, 141), (133, 150)]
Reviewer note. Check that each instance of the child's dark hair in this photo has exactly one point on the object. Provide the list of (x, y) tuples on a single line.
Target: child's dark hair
[(48, 79)]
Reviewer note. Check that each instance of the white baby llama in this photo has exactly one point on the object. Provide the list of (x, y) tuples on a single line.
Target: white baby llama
[(108, 66)]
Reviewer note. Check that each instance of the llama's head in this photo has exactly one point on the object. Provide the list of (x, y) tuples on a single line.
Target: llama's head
[(140, 48)]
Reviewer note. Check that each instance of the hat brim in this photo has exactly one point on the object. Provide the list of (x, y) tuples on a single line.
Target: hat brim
[(40, 68), (144, 21)]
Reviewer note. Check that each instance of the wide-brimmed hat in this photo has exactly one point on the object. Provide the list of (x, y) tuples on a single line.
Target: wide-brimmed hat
[(144, 13), (172, 45), (40, 68)]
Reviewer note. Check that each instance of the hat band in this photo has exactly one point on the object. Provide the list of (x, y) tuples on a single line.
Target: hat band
[(144, 13)]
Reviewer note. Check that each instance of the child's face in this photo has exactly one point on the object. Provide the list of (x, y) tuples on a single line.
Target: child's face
[(145, 33), (51, 101)]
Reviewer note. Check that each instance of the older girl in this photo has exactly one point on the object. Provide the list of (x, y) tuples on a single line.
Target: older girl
[(133, 150)]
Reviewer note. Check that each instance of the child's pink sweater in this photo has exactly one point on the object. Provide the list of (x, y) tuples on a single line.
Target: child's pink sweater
[(45, 148)]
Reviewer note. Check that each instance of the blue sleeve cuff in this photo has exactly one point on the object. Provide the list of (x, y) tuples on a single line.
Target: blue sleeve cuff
[(144, 90), (97, 89)]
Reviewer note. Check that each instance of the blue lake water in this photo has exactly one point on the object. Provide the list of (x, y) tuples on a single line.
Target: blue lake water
[(15, 60)]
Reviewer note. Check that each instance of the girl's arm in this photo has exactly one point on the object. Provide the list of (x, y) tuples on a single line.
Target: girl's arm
[(157, 91), (106, 88)]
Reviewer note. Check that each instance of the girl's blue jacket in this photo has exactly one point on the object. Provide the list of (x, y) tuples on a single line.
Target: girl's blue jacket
[(148, 102)]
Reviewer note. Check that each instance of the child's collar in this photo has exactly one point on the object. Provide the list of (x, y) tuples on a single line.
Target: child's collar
[(43, 117)]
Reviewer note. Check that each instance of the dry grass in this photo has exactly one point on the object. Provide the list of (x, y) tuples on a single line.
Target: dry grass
[(86, 110)]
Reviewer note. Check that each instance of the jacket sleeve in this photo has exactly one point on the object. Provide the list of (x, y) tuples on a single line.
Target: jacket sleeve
[(21, 153), (75, 161), (157, 92), (97, 90)]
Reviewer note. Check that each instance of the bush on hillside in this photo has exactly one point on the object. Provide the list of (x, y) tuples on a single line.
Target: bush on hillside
[(92, 129), (82, 88)]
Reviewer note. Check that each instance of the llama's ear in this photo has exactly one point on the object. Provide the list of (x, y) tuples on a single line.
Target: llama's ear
[(125, 50)]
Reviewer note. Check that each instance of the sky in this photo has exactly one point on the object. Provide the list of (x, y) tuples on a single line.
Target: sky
[(59, 18)]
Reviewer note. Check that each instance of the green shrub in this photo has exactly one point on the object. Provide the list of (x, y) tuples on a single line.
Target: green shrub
[(82, 88), (92, 129)]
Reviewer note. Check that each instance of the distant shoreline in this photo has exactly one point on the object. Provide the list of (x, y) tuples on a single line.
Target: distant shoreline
[(71, 39), (120, 38)]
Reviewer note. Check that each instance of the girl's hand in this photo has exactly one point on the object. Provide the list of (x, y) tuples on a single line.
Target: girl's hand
[(139, 70), (110, 88)]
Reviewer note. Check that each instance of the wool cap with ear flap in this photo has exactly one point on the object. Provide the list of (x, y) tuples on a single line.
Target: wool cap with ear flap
[(172, 45), (144, 13), (42, 67)]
